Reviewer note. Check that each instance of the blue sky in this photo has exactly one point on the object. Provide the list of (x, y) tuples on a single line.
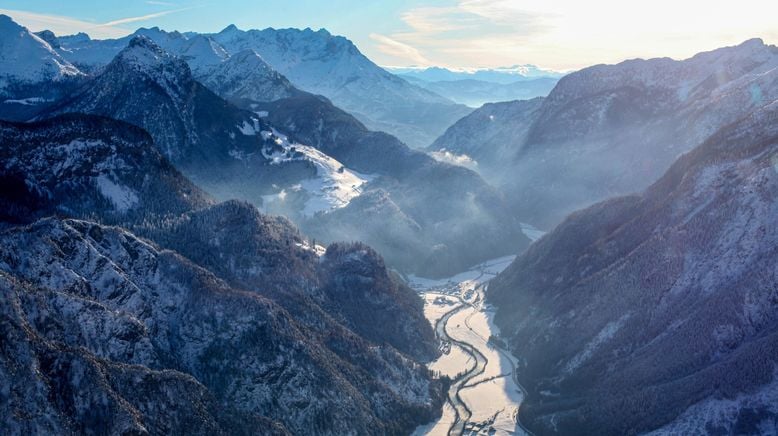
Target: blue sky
[(559, 34)]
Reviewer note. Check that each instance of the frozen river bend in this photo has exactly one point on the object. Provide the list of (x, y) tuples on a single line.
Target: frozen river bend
[(484, 397)]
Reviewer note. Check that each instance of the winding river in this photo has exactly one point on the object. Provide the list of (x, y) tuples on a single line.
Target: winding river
[(484, 397)]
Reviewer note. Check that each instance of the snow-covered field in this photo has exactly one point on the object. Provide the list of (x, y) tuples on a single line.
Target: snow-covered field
[(439, 427), (434, 310), (473, 326), (334, 185), (122, 197), (453, 363), (478, 274), (493, 397), (494, 404)]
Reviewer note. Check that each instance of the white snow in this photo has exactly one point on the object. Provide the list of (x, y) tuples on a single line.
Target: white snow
[(334, 185), (723, 413), (249, 129), (497, 403), (437, 305), (29, 101), (453, 363), (605, 334), (478, 274), (26, 58), (122, 197), (531, 231), (493, 396), (439, 427), (317, 249), (474, 326)]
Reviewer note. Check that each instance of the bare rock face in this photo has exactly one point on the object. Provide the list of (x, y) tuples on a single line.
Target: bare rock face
[(659, 310)]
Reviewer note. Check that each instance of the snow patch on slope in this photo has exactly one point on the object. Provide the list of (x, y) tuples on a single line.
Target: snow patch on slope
[(122, 197), (607, 333), (30, 101), (532, 232), (26, 58), (334, 185), (723, 413)]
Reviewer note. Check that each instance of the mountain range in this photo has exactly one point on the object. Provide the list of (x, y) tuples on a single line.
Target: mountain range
[(657, 312), (211, 234), (501, 75), (298, 155), (477, 87), (610, 129), (316, 62), (99, 310)]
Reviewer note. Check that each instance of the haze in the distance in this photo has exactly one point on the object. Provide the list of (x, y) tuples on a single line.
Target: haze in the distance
[(561, 35)]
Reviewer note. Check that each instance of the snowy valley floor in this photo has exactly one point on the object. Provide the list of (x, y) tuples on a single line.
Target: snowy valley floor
[(484, 397)]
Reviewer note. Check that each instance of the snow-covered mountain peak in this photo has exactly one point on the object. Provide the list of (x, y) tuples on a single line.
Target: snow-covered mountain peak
[(230, 29), (155, 31), (8, 24), (144, 43), (49, 37), (202, 53), (245, 75), (146, 57), (26, 58)]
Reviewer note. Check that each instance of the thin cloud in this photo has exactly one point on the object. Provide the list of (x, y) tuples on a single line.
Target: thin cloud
[(157, 3), (570, 34), (142, 17), (62, 25), (399, 50), (474, 29)]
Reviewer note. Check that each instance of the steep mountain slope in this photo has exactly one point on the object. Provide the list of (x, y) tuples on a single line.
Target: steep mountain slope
[(489, 134), (148, 87), (28, 59), (316, 62), (613, 129), (326, 296), (448, 215), (246, 76), (346, 285), (63, 389), (79, 164), (88, 166), (332, 66), (116, 300), (32, 73), (658, 311), (422, 215)]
